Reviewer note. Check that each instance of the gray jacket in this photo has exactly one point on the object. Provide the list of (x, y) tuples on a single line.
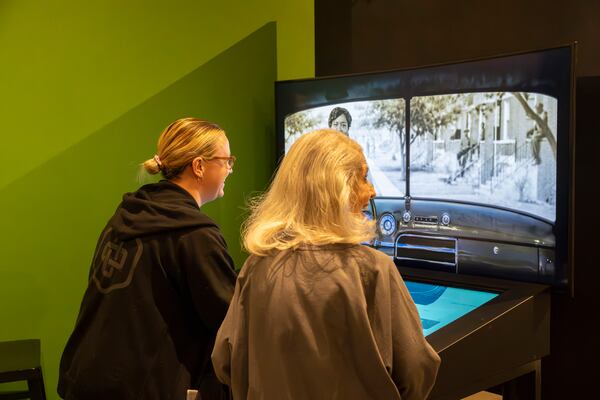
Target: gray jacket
[(326, 322)]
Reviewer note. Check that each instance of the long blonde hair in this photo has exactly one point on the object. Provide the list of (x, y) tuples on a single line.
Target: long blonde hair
[(181, 142), (312, 197)]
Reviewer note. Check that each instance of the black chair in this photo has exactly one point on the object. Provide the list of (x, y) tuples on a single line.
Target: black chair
[(20, 361)]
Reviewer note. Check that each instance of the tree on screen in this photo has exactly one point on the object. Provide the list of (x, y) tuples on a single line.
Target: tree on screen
[(297, 124), (428, 116), (541, 122), (522, 98), (389, 114)]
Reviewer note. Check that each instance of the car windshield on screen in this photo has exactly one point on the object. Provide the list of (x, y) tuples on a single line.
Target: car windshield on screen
[(490, 148)]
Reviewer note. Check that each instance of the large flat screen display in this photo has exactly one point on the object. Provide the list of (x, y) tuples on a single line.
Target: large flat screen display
[(440, 305), (493, 132)]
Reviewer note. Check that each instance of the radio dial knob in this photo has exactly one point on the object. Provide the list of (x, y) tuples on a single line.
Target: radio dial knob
[(406, 217), (446, 219)]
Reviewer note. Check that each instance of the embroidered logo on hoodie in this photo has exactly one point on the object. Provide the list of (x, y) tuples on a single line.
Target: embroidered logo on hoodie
[(115, 262)]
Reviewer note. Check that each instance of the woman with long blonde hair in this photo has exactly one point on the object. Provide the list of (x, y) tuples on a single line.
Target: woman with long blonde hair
[(160, 281), (316, 314)]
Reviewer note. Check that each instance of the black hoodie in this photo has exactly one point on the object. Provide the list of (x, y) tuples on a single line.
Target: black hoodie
[(159, 287)]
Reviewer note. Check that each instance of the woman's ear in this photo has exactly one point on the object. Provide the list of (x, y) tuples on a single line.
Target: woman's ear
[(197, 167)]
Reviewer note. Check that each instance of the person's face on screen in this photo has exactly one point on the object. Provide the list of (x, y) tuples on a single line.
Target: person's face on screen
[(364, 190), (340, 124)]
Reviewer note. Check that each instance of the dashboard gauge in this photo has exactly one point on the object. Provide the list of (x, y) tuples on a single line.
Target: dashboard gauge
[(387, 224)]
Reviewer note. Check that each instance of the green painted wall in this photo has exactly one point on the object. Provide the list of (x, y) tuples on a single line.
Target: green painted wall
[(69, 67), (86, 89)]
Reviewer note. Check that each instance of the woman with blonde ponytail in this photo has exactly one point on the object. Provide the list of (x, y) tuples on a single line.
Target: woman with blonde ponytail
[(316, 314), (160, 281)]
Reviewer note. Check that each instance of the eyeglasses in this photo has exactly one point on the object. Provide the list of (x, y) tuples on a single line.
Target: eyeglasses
[(230, 160)]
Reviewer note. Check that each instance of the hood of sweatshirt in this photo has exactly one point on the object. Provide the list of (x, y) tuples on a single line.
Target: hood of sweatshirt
[(156, 208)]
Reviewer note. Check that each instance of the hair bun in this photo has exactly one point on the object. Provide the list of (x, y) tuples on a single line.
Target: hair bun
[(159, 163)]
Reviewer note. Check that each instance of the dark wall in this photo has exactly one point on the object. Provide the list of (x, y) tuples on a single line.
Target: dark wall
[(372, 35), (574, 343)]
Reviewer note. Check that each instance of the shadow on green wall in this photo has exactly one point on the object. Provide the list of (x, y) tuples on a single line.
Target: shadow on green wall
[(52, 216)]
